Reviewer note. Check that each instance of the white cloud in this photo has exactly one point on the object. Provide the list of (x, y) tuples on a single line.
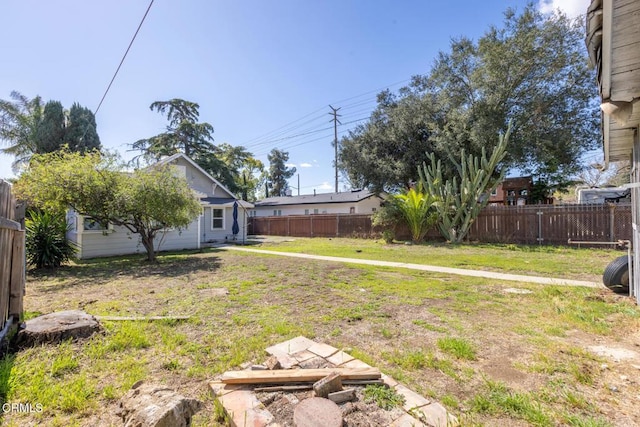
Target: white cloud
[(325, 186), (306, 165), (572, 8)]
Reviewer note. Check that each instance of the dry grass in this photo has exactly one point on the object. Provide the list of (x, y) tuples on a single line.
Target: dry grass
[(492, 357)]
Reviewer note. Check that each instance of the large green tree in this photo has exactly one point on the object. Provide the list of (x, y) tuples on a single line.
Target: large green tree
[(184, 134), (279, 172), (80, 133), (382, 154), (30, 127), (532, 71), (244, 169), (145, 201)]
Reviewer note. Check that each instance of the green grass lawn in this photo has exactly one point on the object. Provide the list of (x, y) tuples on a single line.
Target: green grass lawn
[(491, 356), (551, 261)]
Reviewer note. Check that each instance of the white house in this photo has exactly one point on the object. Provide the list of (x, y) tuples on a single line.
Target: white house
[(349, 202), (613, 42), (213, 225)]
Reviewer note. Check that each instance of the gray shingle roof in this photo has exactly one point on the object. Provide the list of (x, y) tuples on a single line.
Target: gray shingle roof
[(307, 199)]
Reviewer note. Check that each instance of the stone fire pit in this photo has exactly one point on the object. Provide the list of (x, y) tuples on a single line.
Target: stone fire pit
[(243, 407)]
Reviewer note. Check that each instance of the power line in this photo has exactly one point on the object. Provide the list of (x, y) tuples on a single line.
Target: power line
[(321, 138), (123, 57), (287, 127)]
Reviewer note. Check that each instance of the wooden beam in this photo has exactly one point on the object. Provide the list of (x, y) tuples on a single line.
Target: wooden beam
[(297, 375), (9, 224)]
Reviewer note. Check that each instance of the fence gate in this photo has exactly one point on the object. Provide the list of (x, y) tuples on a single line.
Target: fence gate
[(12, 261)]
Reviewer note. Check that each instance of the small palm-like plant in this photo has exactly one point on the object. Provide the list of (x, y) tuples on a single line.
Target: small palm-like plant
[(417, 208), (46, 241)]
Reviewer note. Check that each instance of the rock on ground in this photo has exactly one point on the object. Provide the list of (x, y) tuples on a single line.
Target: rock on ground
[(56, 327), (152, 405)]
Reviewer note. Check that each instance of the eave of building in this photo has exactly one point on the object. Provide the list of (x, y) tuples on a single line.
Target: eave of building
[(613, 42)]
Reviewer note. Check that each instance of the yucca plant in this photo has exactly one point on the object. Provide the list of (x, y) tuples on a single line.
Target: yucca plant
[(46, 241)]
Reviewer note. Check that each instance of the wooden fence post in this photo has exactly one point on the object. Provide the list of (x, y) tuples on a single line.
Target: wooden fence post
[(612, 219)]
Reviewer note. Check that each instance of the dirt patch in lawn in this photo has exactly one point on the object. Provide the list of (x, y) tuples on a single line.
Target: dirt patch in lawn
[(465, 342)]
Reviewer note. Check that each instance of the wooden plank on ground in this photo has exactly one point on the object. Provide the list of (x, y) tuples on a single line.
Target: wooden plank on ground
[(140, 318), (297, 375)]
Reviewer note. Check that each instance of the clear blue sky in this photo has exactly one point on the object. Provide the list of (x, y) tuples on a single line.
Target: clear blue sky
[(253, 66)]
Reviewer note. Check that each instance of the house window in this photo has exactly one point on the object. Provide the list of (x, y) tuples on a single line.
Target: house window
[(90, 224), (352, 210), (306, 211), (315, 211), (277, 212), (374, 210), (217, 219), (494, 192)]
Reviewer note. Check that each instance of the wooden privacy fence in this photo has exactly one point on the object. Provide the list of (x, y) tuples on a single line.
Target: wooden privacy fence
[(553, 224), (325, 225), (12, 261), (539, 224)]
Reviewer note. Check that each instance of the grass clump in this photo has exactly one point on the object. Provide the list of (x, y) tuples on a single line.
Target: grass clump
[(499, 400), (457, 347), (383, 396)]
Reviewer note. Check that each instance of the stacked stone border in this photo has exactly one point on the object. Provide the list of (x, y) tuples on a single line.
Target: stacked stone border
[(243, 408)]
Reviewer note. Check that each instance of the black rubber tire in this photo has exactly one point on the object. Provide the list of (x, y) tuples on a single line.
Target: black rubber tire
[(616, 275)]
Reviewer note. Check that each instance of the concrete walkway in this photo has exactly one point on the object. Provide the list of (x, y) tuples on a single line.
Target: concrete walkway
[(431, 268)]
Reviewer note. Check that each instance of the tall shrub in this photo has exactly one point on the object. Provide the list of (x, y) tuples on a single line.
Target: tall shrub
[(46, 241)]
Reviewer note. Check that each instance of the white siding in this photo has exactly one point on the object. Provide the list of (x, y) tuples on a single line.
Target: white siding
[(200, 182), (209, 235), (121, 241), (72, 230), (365, 206)]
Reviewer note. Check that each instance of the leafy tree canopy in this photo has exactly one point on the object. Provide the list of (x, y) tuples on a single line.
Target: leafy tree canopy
[(144, 202), (533, 71), (184, 134), (245, 169)]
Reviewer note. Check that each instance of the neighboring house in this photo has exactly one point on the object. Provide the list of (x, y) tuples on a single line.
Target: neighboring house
[(613, 42), (213, 225), (512, 192), (349, 202)]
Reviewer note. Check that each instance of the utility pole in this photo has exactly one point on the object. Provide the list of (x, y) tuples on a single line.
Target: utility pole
[(334, 113), (298, 184)]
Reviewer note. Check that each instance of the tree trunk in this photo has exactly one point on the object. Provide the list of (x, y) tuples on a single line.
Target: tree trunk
[(147, 242)]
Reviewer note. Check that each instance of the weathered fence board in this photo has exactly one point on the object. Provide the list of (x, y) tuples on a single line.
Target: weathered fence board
[(532, 225)]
